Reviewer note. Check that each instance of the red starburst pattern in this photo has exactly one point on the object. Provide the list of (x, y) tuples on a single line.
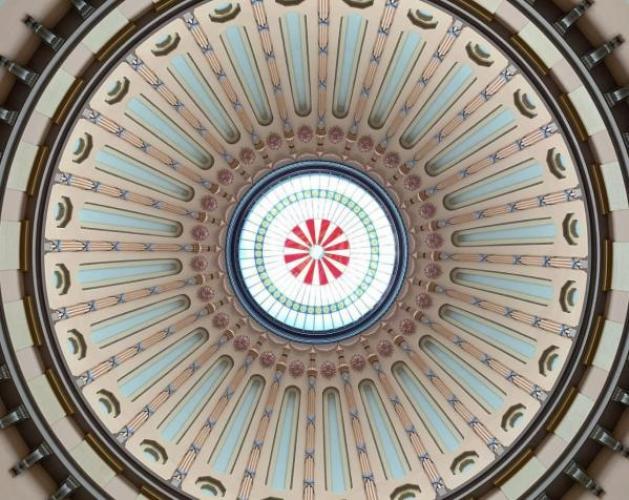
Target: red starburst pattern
[(316, 251)]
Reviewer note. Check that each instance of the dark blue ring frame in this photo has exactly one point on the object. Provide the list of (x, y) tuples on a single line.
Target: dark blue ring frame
[(233, 239)]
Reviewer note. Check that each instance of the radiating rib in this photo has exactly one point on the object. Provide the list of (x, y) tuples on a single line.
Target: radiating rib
[(86, 184), (411, 100), (122, 357), (543, 200), (369, 483), (59, 246), (524, 142), (459, 78), (426, 462), (201, 437), (402, 62), (264, 31), (474, 422), (535, 321), (129, 137), (520, 381), (323, 40), (310, 439), (180, 108), (578, 263), (208, 51), (122, 298), (165, 394), (462, 116), (382, 36), (246, 483)]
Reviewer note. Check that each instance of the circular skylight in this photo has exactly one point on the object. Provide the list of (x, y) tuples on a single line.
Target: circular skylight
[(317, 250)]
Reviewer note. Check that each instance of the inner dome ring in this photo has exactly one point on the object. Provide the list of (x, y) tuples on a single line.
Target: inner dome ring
[(314, 257)]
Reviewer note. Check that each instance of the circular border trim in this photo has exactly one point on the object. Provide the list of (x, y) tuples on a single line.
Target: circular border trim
[(541, 19)]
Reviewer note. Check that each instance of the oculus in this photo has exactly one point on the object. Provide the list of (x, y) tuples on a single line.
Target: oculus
[(316, 251)]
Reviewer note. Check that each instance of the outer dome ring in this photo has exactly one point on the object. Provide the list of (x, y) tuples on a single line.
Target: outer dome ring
[(504, 464), (236, 278), (531, 436)]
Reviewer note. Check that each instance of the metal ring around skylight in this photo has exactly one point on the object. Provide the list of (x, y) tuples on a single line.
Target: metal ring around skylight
[(316, 251)]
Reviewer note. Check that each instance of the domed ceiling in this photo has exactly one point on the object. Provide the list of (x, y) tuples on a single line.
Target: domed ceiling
[(322, 249)]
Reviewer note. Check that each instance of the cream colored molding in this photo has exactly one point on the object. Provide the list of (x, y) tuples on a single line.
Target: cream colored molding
[(517, 484), (46, 398), (22, 165), (574, 417), (10, 253), (105, 30), (489, 5), (615, 186), (17, 324), (607, 345), (54, 94), (540, 45), (586, 109), (92, 463), (620, 269)]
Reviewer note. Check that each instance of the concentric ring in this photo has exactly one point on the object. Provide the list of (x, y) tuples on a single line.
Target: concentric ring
[(316, 251)]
